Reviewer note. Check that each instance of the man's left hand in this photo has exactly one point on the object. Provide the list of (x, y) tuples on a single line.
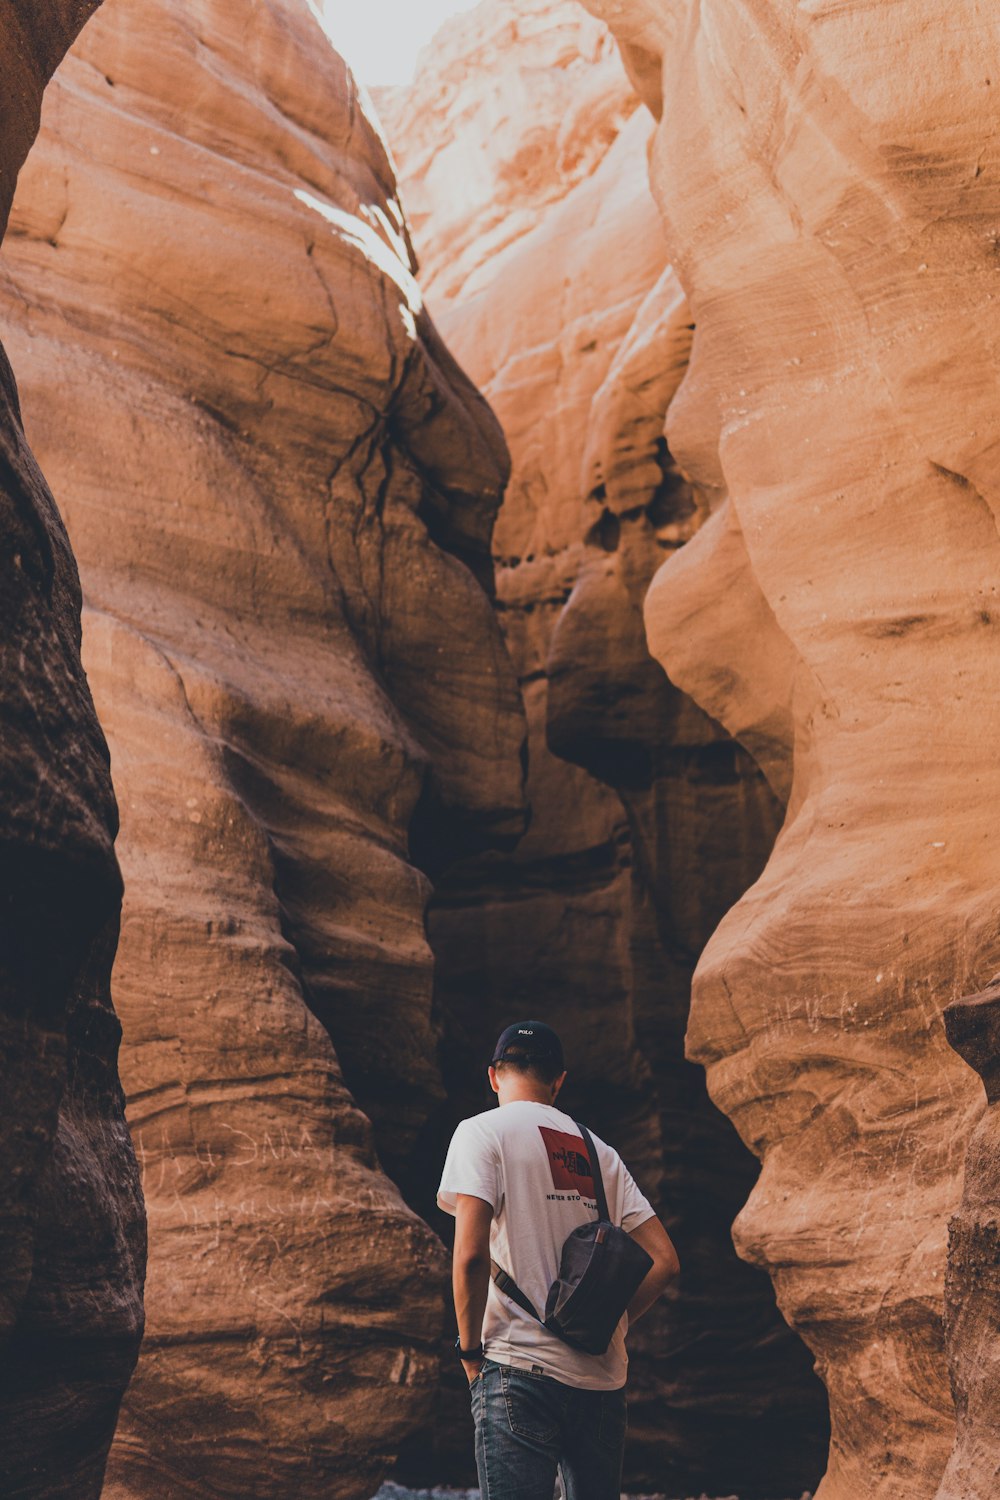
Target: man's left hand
[(472, 1368)]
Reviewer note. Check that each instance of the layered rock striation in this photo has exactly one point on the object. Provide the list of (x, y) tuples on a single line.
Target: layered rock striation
[(282, 518), (829, 180), (521, 151), (72, 1232)]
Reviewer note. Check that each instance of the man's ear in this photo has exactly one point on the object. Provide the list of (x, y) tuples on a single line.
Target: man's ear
[(557, 1084), (494, 1081)]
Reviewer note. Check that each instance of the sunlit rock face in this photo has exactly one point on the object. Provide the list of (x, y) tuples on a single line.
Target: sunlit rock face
[(281, 491), (829, 178), (521, 151), (72, 1232)]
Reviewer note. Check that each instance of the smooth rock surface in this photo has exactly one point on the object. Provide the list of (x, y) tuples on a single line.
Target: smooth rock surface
[(281, 491), (72, 1232), (829, 179), (521, 150)]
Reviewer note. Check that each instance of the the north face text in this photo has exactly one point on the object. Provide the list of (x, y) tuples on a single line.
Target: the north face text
[(568, 1162)]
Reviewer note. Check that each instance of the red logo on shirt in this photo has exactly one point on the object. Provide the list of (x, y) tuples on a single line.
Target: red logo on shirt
[(568, 1162)]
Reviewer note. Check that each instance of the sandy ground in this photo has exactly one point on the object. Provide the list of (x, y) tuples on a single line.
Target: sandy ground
[(391, 1491)]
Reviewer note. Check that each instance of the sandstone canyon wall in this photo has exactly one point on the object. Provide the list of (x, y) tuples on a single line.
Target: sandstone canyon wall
[(829, 178), (521, 153), (72, 1232), (281, 490)]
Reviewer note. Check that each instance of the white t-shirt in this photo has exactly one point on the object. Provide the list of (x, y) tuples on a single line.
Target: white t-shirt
[(529, 1162)]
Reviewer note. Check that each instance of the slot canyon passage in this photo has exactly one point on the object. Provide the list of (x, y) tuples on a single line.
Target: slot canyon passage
[(381, 670)]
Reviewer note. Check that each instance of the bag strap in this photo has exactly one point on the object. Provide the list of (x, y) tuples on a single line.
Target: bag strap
[(510, 1288), (595, 1169)]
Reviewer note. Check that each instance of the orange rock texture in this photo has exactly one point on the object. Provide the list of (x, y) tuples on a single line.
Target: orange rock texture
[(281, 490), (521, 153), (829, 179), (72, 1231)]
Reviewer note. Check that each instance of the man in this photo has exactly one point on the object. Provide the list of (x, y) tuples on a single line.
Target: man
[(518, 1180)]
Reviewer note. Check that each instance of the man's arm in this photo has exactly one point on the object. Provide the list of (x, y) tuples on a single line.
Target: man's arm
[(657, 1243), (470, 1272)]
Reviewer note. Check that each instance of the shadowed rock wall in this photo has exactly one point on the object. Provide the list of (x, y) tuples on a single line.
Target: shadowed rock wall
[(829, 178), (72, 1233), (972, 1283), (521, 151), (283, 520)]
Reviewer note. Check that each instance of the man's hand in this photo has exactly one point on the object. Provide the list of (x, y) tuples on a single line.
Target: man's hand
[(470, 1272), (657, 1243)]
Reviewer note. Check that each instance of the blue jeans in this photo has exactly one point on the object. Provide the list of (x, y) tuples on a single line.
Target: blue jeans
[(528, 1426)]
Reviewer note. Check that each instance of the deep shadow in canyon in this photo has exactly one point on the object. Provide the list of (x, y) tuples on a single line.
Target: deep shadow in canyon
[(72, 1229)]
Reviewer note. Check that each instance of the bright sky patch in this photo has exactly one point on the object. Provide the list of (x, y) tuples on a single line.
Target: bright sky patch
[(381, 38)]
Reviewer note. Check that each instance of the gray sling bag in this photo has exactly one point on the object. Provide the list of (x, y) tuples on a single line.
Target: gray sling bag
[(600, 1271)]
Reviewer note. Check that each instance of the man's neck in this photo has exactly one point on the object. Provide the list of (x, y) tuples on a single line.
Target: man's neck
[(519, 1093)]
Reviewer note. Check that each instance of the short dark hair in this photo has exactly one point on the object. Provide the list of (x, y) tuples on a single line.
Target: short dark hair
[(546, 1068)]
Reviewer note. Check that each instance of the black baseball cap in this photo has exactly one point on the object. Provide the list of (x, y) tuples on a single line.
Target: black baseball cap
[(531, 1040)]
